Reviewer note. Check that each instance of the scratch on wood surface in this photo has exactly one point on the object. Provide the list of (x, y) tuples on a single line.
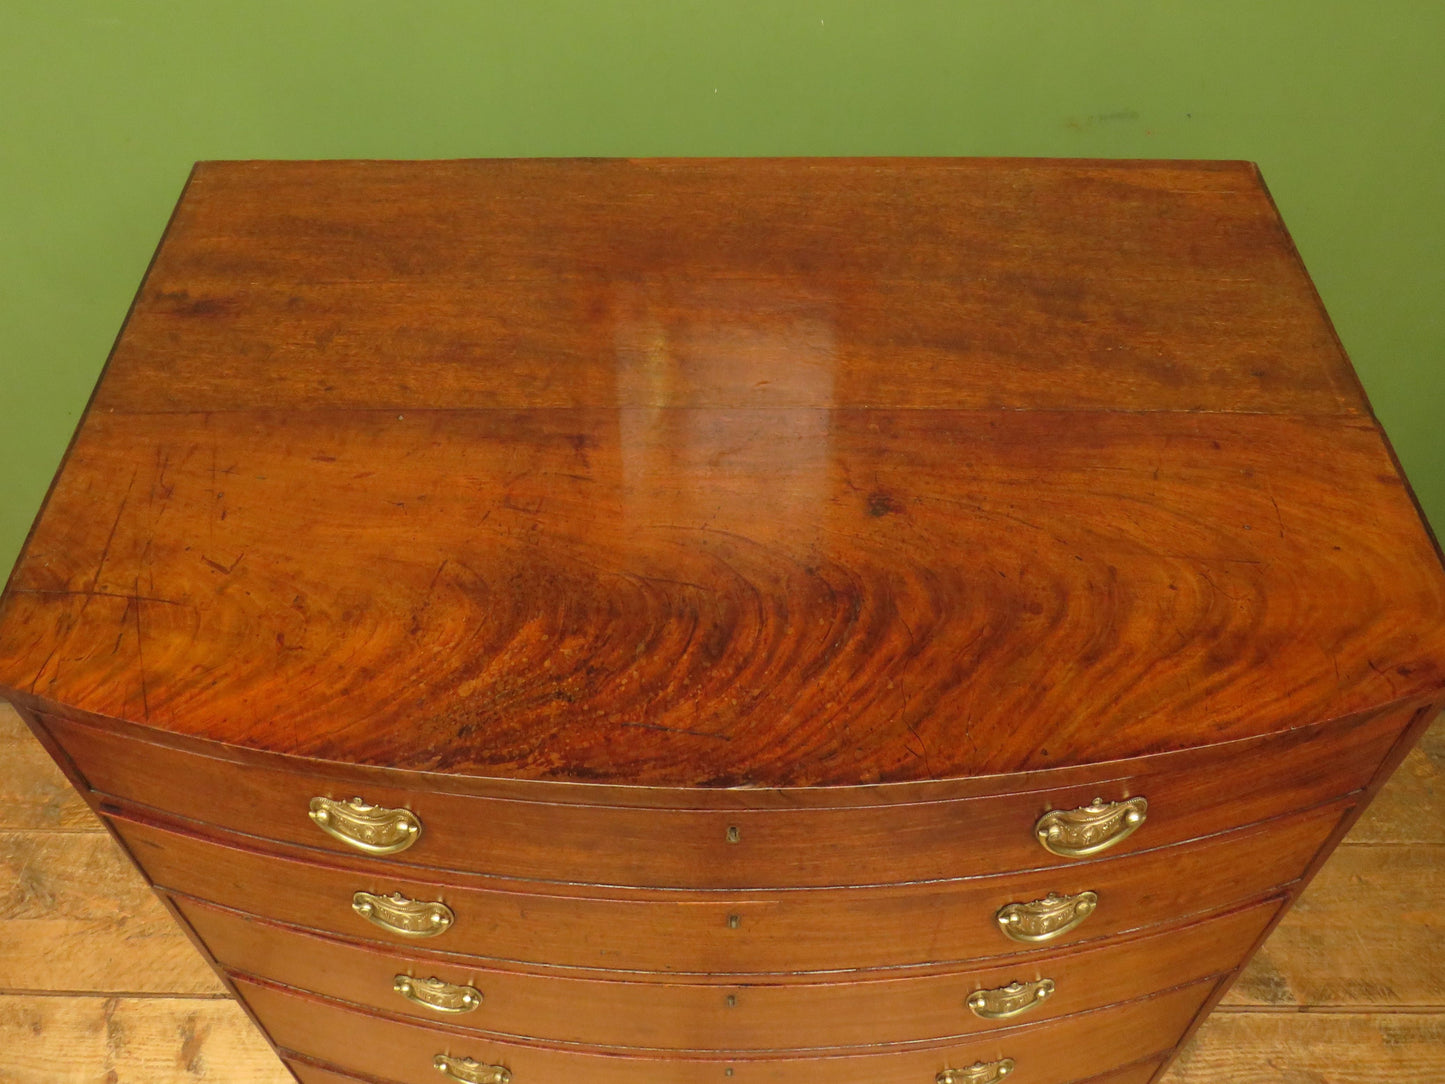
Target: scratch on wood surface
[(1278, 518), (134, 607), (99, 594), (110, 538), (224, 569)]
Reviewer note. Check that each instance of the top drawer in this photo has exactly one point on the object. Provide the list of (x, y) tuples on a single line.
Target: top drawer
[(1188, 795)]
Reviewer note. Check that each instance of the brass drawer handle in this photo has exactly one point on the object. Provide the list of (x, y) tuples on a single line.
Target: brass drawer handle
[(437, 995), (410, 918), (471, 1072), (370, 828), (980, 1072), (1010, 1000), (1045, 919), (1074, 833)]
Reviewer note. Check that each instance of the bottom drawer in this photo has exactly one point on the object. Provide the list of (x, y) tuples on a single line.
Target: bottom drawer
[(309, 1073), (1062, 1051)]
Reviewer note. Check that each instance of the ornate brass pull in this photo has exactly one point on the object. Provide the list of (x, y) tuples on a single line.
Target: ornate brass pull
[(370, 828), (471, 1072), (980, 1072), (1074, 833), (1010, 1000), (410, 918), (1045, 919), (437, 995)]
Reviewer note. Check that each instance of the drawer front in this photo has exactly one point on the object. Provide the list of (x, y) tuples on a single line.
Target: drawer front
[(1062, 1051), (310, 1073), (738, 848), (716, 1016), (742, 933)]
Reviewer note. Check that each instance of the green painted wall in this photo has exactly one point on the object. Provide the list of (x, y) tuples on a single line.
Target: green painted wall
[(103, 107)]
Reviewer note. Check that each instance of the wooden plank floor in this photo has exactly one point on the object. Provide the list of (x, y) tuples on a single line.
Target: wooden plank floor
[(97, 986)]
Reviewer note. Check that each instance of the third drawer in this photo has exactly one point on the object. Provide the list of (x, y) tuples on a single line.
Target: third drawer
[(698, 1016)]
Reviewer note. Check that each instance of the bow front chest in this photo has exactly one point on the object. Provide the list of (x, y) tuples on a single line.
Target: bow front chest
[(727, 622)]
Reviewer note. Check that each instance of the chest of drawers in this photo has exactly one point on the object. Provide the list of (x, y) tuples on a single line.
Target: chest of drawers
[(681, 622)]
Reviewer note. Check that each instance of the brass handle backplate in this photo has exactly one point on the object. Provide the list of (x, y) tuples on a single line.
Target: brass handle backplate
[(1010, 1000), (980, 1072), (370, 828), (1043, 920), (1075, 833), (410, 918), (471, 1072), (437, 995)]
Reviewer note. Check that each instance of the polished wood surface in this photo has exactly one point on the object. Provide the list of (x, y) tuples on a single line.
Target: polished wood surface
[(740, 933), (717, 1015), (801, 493), (967, 284), (858, 841), (1055, 1052), (780, 474)]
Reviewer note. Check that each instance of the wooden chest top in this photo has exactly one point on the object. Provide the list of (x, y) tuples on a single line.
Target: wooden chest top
[(726, 473)]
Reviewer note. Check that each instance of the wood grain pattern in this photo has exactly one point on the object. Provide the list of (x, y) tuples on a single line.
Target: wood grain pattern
[(1411, 808), (754, 478), (123, 1040), (1314, 1048), (789, 630), (848, 839), (76, 916), (950, 283), (778, 931), (309, 1072), (1055, 1052), (1005, 475), (1279, 1037), (1368, 932), (33, 791), (712, 1014)]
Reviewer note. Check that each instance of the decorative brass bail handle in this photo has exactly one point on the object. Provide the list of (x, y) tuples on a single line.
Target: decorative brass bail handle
[(372, 829), (980, 1072), (1075, 833), (1010, 1000), (1043, 920), (396, 913), (471, 1072), (437, 995)]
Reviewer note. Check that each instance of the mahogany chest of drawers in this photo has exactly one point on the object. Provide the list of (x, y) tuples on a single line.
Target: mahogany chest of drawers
[(689, 622)]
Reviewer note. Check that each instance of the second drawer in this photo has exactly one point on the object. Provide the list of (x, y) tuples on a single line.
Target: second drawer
[(744, 932)]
